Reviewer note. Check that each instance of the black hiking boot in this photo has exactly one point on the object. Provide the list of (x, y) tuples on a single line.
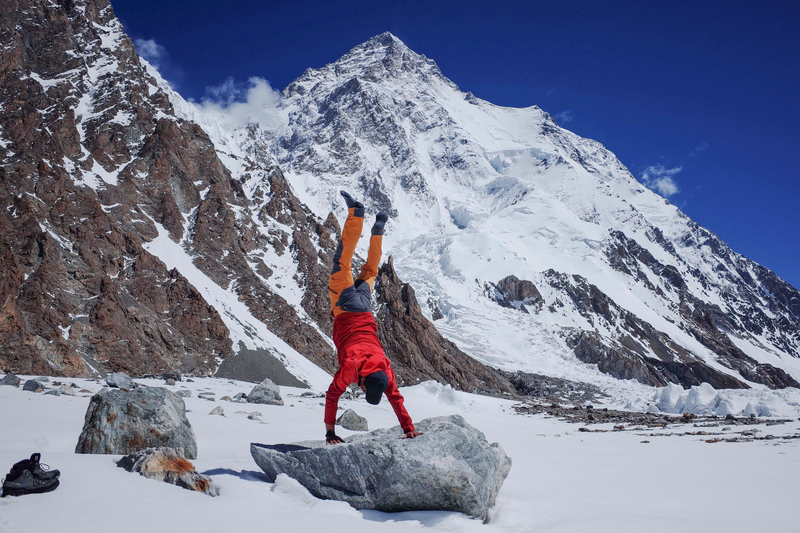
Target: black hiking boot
[(39, 470), (25, 482)]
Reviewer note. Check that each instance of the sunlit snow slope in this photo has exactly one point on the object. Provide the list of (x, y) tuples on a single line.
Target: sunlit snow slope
[(479, 192)]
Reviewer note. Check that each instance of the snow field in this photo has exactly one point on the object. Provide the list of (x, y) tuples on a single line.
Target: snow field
[(561, 480)]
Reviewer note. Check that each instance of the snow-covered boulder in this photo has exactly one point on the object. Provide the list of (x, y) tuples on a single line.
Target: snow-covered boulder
[(121, 422), (451, 467), (265, 392)]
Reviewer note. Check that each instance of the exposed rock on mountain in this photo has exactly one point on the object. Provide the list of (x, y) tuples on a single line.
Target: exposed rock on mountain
[(90, 161), (98, 173)]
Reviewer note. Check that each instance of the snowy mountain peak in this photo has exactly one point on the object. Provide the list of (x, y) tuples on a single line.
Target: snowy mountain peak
[(480, 194), (383, 58)]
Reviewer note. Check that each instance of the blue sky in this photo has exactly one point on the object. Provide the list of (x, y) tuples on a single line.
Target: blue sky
[(699, 99)]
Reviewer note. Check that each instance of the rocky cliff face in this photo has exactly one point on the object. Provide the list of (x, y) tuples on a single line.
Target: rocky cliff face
[(80, 128), (99, 176)]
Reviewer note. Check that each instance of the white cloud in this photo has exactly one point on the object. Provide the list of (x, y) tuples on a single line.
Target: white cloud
[(659, 179), (158, 57), (702, 147), (565, 116), (241, 104), (151, 51)]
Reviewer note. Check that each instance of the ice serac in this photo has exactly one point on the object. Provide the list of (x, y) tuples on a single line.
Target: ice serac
[(451, 467), (493, 205), (418, 352)]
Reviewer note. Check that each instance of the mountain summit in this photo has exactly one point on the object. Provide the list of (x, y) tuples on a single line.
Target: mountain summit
[(487, 199)]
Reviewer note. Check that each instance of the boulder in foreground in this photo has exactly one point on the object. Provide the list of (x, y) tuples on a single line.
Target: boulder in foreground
[(122, 422), (451, 467), (166, 464)]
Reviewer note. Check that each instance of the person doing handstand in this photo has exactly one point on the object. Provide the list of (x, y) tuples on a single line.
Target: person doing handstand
[(361, 356)]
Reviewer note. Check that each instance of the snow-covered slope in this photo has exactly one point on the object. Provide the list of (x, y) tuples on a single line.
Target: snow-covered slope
[(479, 192)]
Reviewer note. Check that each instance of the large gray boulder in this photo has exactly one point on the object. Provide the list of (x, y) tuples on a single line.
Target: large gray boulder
[(123, 422), (265, 392), (451, 467), (34, 385)]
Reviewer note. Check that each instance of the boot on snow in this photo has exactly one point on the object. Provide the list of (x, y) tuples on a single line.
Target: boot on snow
[(29, 476)]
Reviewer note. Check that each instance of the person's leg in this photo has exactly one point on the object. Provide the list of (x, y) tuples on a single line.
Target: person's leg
[(370, 269), (342, 273)]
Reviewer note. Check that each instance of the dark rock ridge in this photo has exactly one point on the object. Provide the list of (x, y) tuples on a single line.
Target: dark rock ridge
[(90, 159), (547, 388), (750, 285), (451, 467), (630, 354), (414, 346)]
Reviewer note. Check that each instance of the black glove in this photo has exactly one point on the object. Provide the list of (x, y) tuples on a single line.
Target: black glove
[(332, 438), (380, 220)]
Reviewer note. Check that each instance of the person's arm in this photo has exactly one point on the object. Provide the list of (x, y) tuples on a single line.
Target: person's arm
[(396, 399), (346, 375)]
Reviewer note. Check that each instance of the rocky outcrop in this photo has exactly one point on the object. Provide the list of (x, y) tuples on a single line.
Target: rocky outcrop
[(451, 467), (352, 421), (652, 357), (123, 422), (91, 159), (166, 464), (10, 379), (515, 293), (265, 392), (416, 349)]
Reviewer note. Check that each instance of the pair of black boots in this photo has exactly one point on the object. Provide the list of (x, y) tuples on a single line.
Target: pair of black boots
[(30, 477)]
